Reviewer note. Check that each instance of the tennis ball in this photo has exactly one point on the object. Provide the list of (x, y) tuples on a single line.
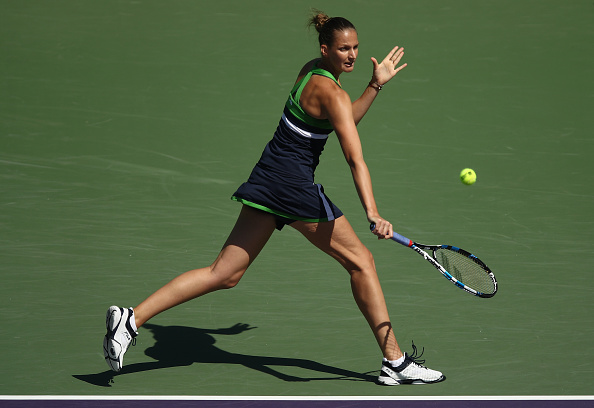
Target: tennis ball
[(468, 176)]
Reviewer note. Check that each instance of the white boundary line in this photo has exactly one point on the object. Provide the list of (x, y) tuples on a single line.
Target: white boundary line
[(306, 398)]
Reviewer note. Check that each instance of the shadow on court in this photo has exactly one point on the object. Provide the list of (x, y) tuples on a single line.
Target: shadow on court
[(177, 346)]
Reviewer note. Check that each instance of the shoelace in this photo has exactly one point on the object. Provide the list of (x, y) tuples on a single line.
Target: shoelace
[(416, 358)]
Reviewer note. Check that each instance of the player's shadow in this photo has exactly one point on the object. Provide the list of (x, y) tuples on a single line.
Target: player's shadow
[(177, 346)]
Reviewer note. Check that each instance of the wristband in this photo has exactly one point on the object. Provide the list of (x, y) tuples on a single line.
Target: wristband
[(375, 86)]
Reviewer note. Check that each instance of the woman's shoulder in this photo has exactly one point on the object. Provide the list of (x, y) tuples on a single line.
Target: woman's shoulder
[(307, 67)]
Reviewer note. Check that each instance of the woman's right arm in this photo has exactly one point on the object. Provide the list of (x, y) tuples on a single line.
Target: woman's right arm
[(337, 105)]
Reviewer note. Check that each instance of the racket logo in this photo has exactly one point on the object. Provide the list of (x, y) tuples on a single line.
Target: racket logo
[(420, 251)]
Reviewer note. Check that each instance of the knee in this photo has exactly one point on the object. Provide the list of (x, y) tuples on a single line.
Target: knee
[(226, 280), (362, 264), (230, 282)]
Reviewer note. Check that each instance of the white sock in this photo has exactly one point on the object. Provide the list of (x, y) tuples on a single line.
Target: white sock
[(396, 363), (132, 320)]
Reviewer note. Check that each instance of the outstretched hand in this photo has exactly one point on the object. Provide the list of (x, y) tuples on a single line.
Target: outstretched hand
[(388, 68)]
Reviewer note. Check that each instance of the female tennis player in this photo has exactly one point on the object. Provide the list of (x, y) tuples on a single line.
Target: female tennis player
[(281, 191)]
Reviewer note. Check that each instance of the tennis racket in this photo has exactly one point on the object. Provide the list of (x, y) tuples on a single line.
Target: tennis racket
[(458, 266)]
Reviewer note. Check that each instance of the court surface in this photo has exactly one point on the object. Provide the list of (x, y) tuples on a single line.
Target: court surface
[(125, 127)]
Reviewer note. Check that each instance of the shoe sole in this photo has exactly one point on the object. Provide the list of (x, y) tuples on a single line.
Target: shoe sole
[(391, 381)]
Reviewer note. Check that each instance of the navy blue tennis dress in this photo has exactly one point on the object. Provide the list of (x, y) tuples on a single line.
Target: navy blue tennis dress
[(282, 182)]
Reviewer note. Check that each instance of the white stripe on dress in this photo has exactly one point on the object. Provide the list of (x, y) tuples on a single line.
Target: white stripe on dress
[(303, 132)]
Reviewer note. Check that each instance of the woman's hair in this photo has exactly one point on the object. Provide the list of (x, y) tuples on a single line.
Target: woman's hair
[(326, 26)]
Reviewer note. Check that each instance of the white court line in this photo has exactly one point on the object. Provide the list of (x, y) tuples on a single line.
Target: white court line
[(302, 398)]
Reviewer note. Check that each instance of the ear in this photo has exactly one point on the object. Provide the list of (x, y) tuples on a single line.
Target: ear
[(324, 50)]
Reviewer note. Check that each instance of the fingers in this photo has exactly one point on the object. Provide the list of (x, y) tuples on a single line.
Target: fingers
[(383, 229), (399, 68), (396, 55), (389, 231)]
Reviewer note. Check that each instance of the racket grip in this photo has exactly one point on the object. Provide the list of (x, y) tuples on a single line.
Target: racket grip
[(401, 239)]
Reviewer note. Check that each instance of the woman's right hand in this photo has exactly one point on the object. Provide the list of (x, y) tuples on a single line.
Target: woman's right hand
[(383, 228)]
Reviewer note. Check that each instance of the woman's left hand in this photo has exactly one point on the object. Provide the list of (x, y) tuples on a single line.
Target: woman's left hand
[(388, 68)]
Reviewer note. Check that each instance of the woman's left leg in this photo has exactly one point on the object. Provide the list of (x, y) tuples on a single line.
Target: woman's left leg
[(249, 235), (338, 239)]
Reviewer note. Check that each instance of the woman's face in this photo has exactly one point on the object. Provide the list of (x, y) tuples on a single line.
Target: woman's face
[(341, 55)]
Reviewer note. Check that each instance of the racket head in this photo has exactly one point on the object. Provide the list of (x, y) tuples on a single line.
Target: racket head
[(467, 270)]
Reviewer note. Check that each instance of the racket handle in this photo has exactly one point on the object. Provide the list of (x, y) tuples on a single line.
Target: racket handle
[(401, 239)]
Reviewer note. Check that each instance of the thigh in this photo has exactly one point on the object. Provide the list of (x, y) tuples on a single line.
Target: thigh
[(338, 239), (249, 235)]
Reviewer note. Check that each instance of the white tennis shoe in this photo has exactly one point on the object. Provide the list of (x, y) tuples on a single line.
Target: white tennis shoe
[(411, 371), (118, 337)]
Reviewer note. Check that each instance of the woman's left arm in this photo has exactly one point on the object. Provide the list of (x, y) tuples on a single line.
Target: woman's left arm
[(382, 73)]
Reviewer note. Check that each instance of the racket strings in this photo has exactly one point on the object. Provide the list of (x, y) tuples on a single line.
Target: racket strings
[(465, 270)]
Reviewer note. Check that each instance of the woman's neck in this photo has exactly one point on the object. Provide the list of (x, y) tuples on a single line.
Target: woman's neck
[(325, 66)]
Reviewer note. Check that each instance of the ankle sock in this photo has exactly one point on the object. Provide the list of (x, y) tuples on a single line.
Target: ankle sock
[(396, 363)]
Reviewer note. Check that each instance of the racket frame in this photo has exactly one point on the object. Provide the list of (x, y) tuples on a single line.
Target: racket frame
[(421, 250)]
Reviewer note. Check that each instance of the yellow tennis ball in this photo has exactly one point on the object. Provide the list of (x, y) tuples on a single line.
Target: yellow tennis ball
[(468, 176)]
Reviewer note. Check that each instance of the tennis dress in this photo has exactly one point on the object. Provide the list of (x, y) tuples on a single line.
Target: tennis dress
[(282, 182)]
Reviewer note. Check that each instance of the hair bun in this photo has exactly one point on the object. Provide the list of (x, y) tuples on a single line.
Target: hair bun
[(326, 26), (319, 19)]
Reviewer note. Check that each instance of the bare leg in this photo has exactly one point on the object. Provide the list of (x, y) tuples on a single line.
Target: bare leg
[(338, 240), (248, 237)]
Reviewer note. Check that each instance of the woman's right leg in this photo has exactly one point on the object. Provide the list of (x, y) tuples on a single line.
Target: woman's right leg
[(337, 239), (251, 232)]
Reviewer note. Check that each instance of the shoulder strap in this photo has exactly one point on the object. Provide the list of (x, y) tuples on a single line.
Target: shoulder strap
[(295, 108), (323, 72), (298, 88)]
